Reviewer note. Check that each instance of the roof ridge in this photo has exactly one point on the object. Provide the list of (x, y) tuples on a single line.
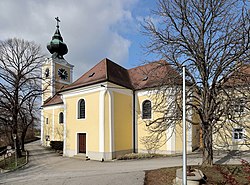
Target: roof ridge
[(149, 63)]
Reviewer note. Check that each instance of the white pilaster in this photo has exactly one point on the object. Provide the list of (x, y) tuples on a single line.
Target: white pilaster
[(102, 120), (42, 125), (71, 74), (171, 136), (64, 127), (53, 124), (52, 82), (111, 121), (189, 127), (136, 121)]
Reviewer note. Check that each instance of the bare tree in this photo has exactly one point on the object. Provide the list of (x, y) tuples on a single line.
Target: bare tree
[(212, 39), (28, 116), (20, 77)]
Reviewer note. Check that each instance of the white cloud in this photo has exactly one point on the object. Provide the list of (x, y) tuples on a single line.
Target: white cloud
[(90, 28)]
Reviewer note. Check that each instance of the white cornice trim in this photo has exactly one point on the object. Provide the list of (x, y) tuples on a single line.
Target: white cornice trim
[(62, 62), (97, 87), (83, 90), (51, 107), (64, 82), (151, 91)]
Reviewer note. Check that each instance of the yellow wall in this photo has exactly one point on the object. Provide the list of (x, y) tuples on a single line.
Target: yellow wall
[(223, 139), (122, 121), (58, 127), (89, 125), (47, 128), (144, 143), (143, 132), (178, 137), (52, 113), (196, 131)]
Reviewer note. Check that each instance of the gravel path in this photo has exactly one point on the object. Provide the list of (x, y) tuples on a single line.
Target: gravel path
[(46, 167)]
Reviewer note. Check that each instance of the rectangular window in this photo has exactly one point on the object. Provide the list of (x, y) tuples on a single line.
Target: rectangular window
[(47, 120), (238, 105), (238, 134)]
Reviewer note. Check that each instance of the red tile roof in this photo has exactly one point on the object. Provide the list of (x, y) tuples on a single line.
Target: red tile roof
[(239, 77), (106, 70), (154, 74), (56, 99), (146, 76)]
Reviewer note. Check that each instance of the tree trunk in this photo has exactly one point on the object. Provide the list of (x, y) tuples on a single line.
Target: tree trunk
[(207, 137), (23, 139), (19, 153)]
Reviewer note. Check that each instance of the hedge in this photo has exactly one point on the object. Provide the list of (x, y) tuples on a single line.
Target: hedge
[(56, 145)]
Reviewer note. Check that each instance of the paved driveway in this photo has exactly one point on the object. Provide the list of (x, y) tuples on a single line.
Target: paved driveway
[(46, 167)]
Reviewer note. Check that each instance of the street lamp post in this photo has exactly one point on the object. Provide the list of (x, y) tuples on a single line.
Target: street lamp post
[(14, 137), (184, 158)]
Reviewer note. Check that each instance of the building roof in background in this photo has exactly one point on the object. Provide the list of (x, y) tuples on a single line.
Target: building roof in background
[(239, 77)]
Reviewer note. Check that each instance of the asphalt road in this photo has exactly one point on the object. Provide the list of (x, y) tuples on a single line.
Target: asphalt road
[(47, 168)]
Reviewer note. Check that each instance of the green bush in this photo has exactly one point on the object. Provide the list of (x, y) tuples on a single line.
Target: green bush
[(56, 145), (138, 156)]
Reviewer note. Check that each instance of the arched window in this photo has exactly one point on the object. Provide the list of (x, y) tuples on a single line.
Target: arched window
[(146, 109), (81, 109), (61, 117)]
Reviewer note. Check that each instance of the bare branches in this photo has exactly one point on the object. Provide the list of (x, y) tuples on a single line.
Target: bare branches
[(212, 39), (20, 77)]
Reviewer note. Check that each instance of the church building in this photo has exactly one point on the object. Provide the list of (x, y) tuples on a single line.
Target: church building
[(105, 112)]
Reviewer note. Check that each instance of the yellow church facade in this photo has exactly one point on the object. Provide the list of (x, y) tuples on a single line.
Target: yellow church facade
[(104, 113)]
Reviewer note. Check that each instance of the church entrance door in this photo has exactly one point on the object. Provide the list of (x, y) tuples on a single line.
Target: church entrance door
[(82, 143)]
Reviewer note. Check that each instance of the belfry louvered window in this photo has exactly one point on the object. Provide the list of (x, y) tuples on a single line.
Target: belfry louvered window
[(146, 109), (61, 117), (81, 109)]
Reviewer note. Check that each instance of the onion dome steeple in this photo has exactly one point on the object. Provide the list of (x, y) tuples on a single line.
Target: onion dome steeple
[(56, 46)]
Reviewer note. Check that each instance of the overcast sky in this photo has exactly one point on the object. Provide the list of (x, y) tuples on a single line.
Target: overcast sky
[(92, 29)]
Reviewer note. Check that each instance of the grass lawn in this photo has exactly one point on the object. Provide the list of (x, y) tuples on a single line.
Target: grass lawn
[(9, 163), (165, 176)]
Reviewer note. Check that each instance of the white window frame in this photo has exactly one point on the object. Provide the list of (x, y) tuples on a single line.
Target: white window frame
[(60, 118), (238, 132), (142, 110), (78, 109), (239, 105)]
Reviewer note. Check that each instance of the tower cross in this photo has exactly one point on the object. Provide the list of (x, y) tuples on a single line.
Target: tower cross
[(57, 22)]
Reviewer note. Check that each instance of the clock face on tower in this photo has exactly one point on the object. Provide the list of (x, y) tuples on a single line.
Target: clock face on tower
[(63, 74)]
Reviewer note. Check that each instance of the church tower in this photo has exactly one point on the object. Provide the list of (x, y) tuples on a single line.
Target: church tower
[(56, 71)]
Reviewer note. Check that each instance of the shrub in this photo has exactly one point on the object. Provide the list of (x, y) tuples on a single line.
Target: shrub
[(138, 156), (56, 145)]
